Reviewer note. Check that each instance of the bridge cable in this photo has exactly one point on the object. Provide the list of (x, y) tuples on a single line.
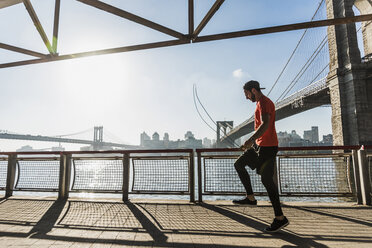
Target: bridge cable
[(196, 107), (72, 134), (195, 95), (300, 74), (115, 138), (303, 69), (294, 51)]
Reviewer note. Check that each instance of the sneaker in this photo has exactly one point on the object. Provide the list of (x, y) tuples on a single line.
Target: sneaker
[(245, 201), (277, 225)]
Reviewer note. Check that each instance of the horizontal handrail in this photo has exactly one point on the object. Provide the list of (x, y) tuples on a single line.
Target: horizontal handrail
[(298, 148), (99, 152)]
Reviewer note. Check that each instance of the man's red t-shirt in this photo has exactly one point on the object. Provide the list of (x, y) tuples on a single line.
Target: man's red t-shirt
[(269, 138)]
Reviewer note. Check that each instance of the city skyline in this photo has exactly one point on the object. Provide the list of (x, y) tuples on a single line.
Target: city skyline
[(205, 141)]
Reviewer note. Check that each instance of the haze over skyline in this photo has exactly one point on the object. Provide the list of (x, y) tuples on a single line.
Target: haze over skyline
[(148, 90)]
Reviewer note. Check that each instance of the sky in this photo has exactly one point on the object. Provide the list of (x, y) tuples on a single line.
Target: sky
[(149, 90)]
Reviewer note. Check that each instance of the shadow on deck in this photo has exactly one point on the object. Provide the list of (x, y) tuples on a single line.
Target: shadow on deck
[(76, 223)]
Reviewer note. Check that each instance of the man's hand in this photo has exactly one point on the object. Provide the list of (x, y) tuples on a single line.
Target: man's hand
[(247, 144)]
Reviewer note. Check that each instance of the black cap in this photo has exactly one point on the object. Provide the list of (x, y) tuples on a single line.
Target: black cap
[(252, 85)]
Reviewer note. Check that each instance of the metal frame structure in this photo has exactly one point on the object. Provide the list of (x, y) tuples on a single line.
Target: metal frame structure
[(193, 35)]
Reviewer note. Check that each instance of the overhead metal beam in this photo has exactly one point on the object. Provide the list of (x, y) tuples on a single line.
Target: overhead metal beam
[(267, 30), (284, 28), (8, 3), (207, 17), (129, 16), (191, 17), (98, 52), (22, 50), (56, 25), (38, 25)]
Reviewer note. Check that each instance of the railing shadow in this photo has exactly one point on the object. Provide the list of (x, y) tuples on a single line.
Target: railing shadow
[(157, 222), (331, 213), (284, 235)]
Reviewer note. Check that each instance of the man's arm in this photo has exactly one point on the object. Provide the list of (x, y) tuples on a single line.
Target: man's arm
[(265, 120)]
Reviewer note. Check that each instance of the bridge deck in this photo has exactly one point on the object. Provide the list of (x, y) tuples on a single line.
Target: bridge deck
[(43, 222)]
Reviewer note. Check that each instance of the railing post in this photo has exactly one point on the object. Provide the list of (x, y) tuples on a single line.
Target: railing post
[(64, 176), (10, 179), (192, 177), (356, 176), (126, 164), (364, 177), (200, 185), (277, 175)]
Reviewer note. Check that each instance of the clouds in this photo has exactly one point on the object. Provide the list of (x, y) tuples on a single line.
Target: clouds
[(240, 74)]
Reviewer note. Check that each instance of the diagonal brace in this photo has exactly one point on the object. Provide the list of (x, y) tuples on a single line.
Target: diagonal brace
[(208, 17), (129, 16), (37, 24), (56, 25), (22, 50)]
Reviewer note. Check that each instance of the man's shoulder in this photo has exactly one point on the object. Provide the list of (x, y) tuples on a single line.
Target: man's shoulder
[(266, 100)]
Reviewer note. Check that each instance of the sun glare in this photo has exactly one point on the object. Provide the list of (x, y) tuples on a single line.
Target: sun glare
[(96, 76)]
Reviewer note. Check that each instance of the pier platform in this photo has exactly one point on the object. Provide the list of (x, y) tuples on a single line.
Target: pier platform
[(45, 222)]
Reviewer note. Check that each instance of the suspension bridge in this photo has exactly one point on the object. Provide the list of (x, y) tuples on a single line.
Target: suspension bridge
[(305, 79), (97, 143)]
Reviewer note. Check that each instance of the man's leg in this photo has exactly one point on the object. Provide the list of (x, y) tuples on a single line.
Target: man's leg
[(247, 158), (268, 156)]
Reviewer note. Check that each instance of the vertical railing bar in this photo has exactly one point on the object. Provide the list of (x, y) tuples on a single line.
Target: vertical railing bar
[(356, 176), (192, 176), (279, 182), (348, 171), (364, 177), (18, 168), (12, 160), (62, 177), (126, 164), (68, 159), (133, 173), (200, 186), (74, 178)]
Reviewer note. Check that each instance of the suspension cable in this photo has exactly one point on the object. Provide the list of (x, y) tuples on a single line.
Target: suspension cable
[(303, 69), (294, 51), (195, 94)]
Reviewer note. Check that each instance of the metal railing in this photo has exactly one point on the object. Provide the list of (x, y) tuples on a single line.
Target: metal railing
[(3, 172), (125, 172), (328, 171), (322, 174)]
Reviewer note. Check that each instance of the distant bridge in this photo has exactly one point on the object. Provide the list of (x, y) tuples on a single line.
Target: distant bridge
[(97, 141)]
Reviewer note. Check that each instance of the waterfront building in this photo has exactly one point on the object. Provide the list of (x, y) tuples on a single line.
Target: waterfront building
[(312, 135)]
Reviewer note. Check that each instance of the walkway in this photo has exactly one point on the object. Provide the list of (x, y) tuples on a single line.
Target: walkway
[(43, 222)]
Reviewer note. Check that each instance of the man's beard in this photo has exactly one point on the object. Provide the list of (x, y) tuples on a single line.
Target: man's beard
[(253, 97)]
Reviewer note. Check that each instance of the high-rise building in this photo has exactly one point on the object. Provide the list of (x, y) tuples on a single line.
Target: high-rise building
[(144, 138), (312, 135)]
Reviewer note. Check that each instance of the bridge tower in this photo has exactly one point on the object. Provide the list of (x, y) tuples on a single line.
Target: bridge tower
[(98, 137), (224, 125), (350, 77)]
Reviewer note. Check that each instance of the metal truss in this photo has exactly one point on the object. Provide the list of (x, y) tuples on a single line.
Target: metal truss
[(180, 39)]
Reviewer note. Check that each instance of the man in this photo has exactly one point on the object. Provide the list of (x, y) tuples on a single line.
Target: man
[(260, 154)]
